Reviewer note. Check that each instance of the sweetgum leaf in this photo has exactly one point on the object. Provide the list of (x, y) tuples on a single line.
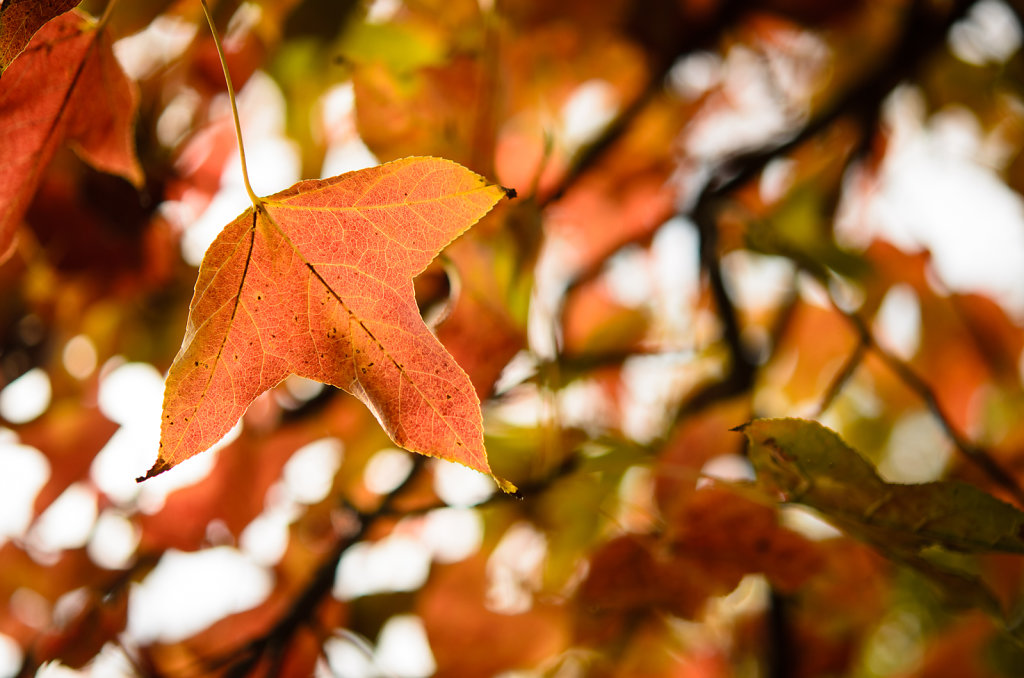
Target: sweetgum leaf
[(317, 281), (65, 86)]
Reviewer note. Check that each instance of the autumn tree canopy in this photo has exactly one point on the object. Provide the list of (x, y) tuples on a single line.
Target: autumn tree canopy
[(661, 339)]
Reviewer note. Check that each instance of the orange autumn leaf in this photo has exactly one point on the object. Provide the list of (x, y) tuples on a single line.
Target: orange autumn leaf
[(317, 281), (65, 86)]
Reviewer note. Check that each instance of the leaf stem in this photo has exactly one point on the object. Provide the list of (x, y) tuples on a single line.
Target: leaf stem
[(234, 106), (105, 17)]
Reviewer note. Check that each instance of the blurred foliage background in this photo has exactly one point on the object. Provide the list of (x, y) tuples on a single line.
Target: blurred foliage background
[(727, 210)]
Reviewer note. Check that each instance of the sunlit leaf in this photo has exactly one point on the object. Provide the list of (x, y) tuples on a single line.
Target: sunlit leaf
[(318, 282)]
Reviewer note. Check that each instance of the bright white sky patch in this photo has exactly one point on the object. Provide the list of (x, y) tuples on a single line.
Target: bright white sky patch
[(386, 470), (345, 658), (23, 472), (345, 149), (804, 521), (158, 44), (514, 569), (113, 540), (935, 193), (917, 451), (898, 322), (10, 656), (309, 473), (458, 485), (395, 563), (757, 281), (131, 394), (26, 397), (695, 74), (589, 108), (730, 467), (628, 276), (989, 34), (452, 534), (68, 521), (54, 669), (403, 649), (265, 539), (187, 592)]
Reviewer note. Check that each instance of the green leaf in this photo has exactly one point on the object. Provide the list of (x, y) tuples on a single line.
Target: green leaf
[(934, 528), (809, 464), (402, 48)]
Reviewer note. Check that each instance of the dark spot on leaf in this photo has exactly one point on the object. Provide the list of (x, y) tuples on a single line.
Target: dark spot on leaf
[(448, 396), (197, 363)]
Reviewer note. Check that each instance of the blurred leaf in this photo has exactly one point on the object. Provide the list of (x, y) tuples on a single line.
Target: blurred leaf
[(88, 100), (930, 527), (399, 47), (806, 463), (467, 639)]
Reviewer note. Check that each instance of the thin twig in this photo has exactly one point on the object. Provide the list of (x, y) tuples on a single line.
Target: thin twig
[(304, 605), (973, 453), (843, 376)]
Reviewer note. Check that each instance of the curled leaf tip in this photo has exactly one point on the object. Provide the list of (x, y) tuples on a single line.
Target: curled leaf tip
[(505, 486), (159, 467)]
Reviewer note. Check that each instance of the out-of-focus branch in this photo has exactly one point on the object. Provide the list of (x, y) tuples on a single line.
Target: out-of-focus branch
[(696, 37), (843, 376), (274, 643), (975, 454), (924, 30)]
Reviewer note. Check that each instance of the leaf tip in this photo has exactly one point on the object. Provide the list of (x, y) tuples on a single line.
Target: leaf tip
[(505, 486), (159, 467), (510, 193)]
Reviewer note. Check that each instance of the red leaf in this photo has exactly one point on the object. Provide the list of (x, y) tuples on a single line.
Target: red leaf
[(19, 21), (318, 282), (67, 85)]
